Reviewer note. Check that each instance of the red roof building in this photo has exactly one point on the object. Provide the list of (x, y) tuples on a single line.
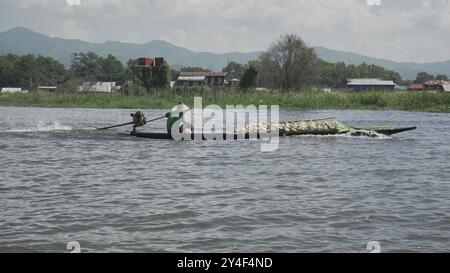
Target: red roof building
[(145, 62), (416, 87)]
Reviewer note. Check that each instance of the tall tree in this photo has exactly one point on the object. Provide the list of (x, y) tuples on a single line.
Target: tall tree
[(162, 76), (87, 65), (130, 68), (423, 77), (249, 78), (442, 77), (269, 73), (112, 69), (27, 67), (234, 70), (49, 72), (289, 63), (8, 74)]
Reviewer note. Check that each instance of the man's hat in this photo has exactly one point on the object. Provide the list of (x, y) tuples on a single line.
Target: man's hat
[(180, 108)]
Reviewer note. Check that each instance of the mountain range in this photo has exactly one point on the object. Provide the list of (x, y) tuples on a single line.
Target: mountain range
[(21, 40)]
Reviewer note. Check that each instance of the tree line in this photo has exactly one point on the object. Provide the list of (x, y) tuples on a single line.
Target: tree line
[(30, 72), (423, 77), (288, 64)]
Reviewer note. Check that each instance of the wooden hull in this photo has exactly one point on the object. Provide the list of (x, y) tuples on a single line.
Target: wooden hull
[(166, 136)]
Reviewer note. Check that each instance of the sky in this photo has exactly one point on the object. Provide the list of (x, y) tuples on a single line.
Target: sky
[(399, 30)]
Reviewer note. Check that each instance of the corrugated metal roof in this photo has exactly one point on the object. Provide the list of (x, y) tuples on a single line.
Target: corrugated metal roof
[(191, 78), (369, 82), (97, 87), (437, 82), (204, 74), (11, 90)]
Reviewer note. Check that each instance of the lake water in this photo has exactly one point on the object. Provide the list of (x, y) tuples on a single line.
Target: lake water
[(62, 183)]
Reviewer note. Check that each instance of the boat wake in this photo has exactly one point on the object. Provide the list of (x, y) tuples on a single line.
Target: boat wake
[(367, 134), (356, 134), (40, 127)]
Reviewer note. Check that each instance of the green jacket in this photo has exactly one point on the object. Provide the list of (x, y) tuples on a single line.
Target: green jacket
[(172, 120)]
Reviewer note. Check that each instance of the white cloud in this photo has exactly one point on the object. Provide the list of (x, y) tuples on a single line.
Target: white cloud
[(374, 2), (70, 29), (400, 30), (73, 2)]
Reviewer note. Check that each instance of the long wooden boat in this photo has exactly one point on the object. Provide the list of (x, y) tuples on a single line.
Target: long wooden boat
[(353, 131)]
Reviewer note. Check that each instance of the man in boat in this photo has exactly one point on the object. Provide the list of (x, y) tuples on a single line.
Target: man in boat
[(176, 117), (139, 120)]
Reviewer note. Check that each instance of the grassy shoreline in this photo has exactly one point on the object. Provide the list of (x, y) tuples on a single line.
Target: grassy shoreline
[(417, 102)]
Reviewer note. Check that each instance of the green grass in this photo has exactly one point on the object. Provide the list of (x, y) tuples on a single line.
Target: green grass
[(305, 100)]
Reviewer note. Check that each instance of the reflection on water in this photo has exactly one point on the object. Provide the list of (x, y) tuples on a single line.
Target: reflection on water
[(61, 181)]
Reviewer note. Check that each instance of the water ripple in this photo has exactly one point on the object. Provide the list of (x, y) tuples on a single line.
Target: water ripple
[(61, 181)]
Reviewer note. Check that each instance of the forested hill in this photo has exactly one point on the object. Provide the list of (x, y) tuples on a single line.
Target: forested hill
[(23, 41)]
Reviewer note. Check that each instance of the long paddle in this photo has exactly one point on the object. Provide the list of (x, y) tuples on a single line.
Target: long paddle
[(128, 123), (155, 119), (115, 126)]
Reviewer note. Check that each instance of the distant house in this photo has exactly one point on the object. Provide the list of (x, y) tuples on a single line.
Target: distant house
[(146, 62), (437, 85), (446, 87), (263, 89), (201, 78), (233, 82), (47, 88), (416, 87), (11, 90), (191, 80), (361, 85), (105, 87), (401, 88)]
